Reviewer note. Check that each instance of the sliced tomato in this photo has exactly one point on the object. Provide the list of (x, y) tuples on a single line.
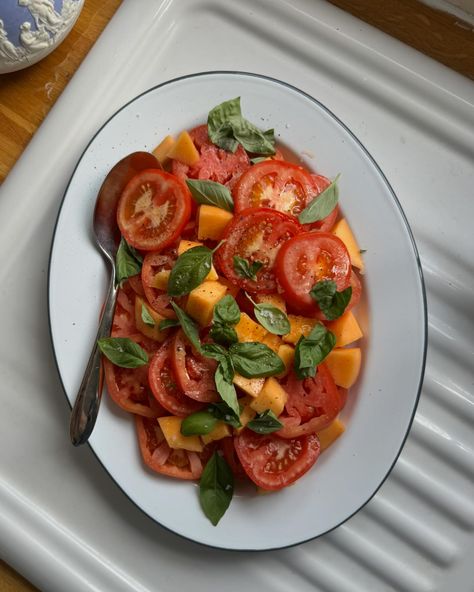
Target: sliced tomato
[(356, 291), (230, 455), (307, 259), (214, 164), (159, 457), (256, 234), (153, 209), (154, 263), (194, 373), (313, 403), (272, 462), (136, 284), (164, 385)]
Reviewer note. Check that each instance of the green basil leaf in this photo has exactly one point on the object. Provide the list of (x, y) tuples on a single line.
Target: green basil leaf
[(252, 139), (214, 351), (128, 262), (188, 326), (146, 316), (272, 318), (258, 159), (123, 352), (211, 193), (227, 311), (168, 323), (225, 388), (224, 413), (245, 269), (189, 271), (255, 360), (265, 423), (223, 334), (311, 351), (198, 424), (321, 205), (331, 302), (216, 488)]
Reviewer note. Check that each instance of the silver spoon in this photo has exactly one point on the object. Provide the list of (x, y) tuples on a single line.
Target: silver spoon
[(107, 235)]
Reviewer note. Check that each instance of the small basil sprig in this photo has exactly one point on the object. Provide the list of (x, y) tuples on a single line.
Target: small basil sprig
[(168, 323), (224, 413), (311, 351), (255, 360), (146, 316), (271, 318), (246, 270), (224, 375), (227, 128), (265, 423), (123, 352), (223, 334), (189, 271), (211, 193), (226, 314), (331, 302), (216, 488), (188, 326), (128, 262), (321, 205)]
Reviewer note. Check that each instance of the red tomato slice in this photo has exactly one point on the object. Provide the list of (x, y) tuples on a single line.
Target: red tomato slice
[(135, 282), (194, 372), (164, 386), (307, 259), (273, 462), (153, 263), (356, 291), (159, 457), (214, 164), (313, 403), (256, 234), (230, 455), (153, 209)]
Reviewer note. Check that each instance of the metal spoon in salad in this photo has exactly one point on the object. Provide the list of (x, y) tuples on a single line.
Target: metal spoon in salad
[(107, 236)]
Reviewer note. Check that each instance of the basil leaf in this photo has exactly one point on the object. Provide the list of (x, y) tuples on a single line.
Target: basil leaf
[(128, 262), (216, 488), (146, 316), (252, 139), (214, 351), (223, 334), (258, 159), (321, 205), (331, 302), (311, 351), (198, 424), (224, 413), (272, 318), (245, 269), (227, 311), (168, 323), (225, 388), (265, 423), (123, 352), (211, 193), (255, 360), (189, 271), (188, 326)]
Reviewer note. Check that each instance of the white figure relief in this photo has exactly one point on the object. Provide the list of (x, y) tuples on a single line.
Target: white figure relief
[(33, 40), (7, 49), (44, 14)]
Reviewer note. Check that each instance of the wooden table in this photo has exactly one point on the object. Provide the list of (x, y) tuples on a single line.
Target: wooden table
[(28, 95)]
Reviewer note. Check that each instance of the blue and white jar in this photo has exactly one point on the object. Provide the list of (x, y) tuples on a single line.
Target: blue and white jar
[(31, 29)]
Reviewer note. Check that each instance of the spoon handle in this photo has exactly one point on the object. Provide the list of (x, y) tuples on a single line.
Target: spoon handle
[(86, 407)]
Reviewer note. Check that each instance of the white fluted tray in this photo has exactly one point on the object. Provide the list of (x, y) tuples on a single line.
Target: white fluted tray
[(63, 523)]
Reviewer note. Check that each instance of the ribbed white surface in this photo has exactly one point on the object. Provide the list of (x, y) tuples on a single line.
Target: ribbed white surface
[(63, 523)]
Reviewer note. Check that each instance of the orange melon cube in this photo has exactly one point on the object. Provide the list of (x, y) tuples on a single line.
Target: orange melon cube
[(153, 332), (161, 151), (212, 222), (220, 431), (160, 280), (331, 433), (344, 365), (272, 341), (346, 329), (250, 386), (298, 326), (171, 428), (184, 150), (185, 245), (343, 231), (286, 353), (249, 330), (273, 299), (272, 396)]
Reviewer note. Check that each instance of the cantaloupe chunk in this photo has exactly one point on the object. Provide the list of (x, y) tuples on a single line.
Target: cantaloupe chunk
[(250, 386), (247, 413), (201, 301), (184, 150), (343, 231), (272, 396), (160, 279), (212, 222), (185, 245), (344, 365), (331, 433), (248, 330), (287, 355), (273, 299), (299, 326), (171, 428), (153, 332), (346, 329), (272, 341), (163, 148), (221, 430)]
